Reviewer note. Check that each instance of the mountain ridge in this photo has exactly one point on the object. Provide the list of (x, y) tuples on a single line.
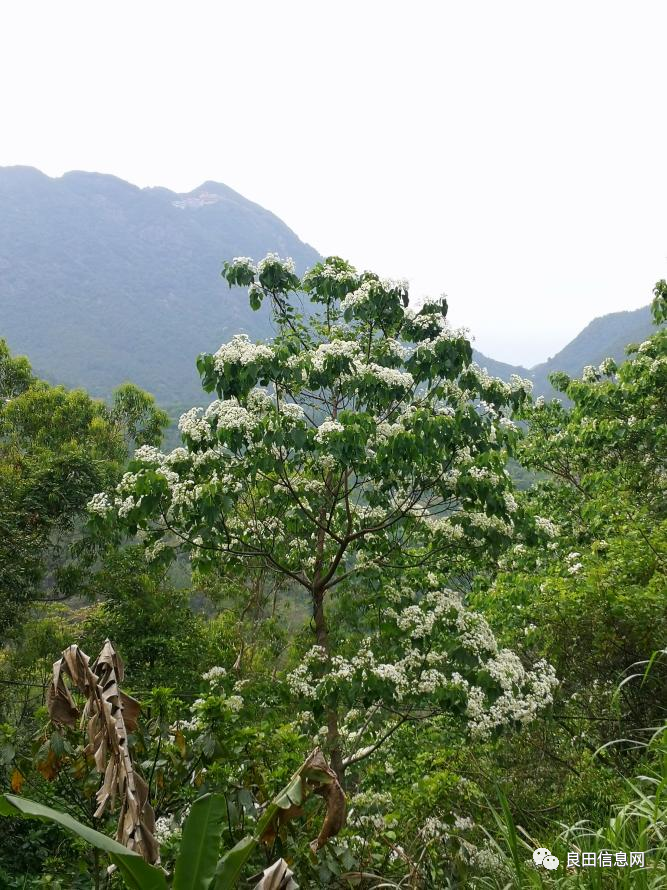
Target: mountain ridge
[(102, 281), (605, 336)]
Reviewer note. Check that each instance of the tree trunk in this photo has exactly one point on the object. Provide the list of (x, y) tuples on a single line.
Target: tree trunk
[(333, 736)]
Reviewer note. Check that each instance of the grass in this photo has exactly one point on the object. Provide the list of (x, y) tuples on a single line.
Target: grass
[(639, 825)]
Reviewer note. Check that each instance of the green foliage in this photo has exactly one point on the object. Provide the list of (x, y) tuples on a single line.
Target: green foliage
[(149, 620), (137, 874), (57, 447), (349, 488)]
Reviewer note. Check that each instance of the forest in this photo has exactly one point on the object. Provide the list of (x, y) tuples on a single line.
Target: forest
[(379, 620)]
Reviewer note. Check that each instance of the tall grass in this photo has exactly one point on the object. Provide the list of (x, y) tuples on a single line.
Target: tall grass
[(639, 825)]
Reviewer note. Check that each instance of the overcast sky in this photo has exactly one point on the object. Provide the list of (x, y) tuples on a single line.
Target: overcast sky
[(511, 154)]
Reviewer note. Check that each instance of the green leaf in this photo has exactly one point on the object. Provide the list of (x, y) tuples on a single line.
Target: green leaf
[(196, 863), (136, 872), (230, 866), (57, 744)]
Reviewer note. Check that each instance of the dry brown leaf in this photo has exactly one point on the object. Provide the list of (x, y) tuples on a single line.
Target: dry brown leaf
[(278, 876), (48, 767), (110, 714), (315, 776), (333, 795), (17, 781)]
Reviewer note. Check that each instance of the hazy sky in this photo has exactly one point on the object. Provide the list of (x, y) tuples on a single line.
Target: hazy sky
[(511, 154)]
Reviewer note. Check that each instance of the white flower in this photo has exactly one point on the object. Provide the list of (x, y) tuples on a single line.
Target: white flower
[(549, 528), (396, 349), (243, 261), (177, 456), (358, 297), (326, 428), (510, 502), (292, 410), (150, 553), (230, 415), (607, 367), (517, 383), (99, 504), (124, 506), (165, 827), (240, 351), (215, 673), (234, 703), (334, 349), (148, 454), (272, 259), (192, 425), (463, 823), (389, 376)]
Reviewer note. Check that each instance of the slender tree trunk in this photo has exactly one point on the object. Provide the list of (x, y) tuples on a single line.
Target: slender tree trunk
[(333, 736)]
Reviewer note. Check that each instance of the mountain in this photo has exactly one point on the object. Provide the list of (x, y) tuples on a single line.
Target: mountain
[(606, 336), (102, 282)]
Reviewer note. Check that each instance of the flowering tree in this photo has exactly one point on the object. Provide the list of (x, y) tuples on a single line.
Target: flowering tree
[(360, 455), (604, 482)]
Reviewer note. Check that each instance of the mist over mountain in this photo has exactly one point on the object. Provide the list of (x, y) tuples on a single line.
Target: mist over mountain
[(606, 336), (102, 282)]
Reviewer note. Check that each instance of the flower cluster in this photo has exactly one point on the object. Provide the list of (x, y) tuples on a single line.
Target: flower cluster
[(423, 668), (240, 351), (547, 526), (326, 428), (99, 504), (334, 349), (229, 415), (272, 259)]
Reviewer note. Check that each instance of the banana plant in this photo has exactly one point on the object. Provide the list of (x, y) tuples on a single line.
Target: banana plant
[(197, 866)]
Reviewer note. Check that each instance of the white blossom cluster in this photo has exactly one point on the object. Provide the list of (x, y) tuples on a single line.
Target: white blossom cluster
[(389, 376), (421, 666), (165, 828), (193, 425), (434, 829), (215, 673), (396, 349), (292, 411), (547, 526), (426, 320), (485, 380), (343, 276), (244, 262), (229, 414), (357, 297), (366, 809), (326, 428), (240, 351), (445, 335), (99, 504), (334, 349), (272, 259), (512, 706)]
